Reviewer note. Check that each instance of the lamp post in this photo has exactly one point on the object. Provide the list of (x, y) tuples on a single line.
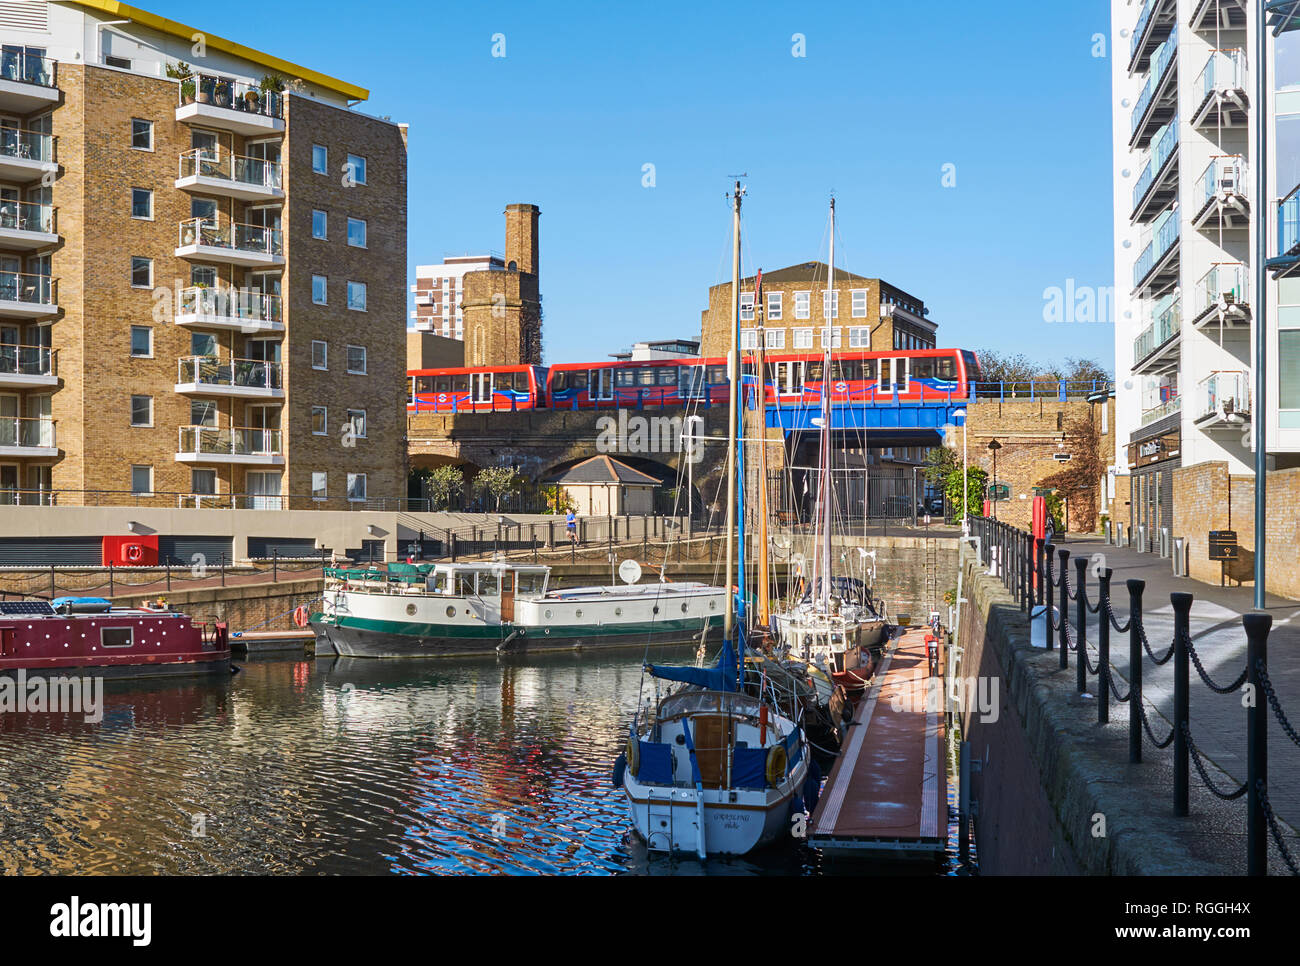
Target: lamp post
[(965, 475), (994, 446)]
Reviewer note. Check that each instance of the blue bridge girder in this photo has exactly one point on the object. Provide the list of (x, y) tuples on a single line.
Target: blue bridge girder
[(907, 416)]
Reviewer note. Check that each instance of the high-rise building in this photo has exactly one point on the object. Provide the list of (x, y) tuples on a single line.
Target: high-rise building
[(438, 291), (202, 268)]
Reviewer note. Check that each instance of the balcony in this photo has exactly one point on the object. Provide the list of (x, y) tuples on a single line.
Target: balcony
[(1158, 101), (1157, 186), (242, 310), (1223, 399), (27, 82), (1287, 260), (23, 436), (230, 105), (1220, 90), (1167, 408), (231, 176), (27, 296), (246, 378), (1154, 24), (1220, 195), (251, 246), (26, 156), (1157, 267), (26, 226), (249, 446), (1222, 296), (27, 366), (1156, 349), (1211, 16)]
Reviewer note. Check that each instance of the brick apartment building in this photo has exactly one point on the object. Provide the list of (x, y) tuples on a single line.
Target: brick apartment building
[(201, 276)]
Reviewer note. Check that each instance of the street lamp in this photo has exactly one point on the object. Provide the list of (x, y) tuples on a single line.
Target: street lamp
[(965, 475), (994, 446)]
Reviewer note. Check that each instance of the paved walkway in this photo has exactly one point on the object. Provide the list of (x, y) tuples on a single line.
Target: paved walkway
[(1218, 722)]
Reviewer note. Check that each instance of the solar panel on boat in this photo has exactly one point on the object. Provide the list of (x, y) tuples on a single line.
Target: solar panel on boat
[(30, 608)]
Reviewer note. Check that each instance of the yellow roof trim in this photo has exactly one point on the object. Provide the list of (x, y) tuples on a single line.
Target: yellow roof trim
[(146, 19)]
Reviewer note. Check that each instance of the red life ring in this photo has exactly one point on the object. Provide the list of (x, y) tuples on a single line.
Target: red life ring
[(134, 552), (300, 616)]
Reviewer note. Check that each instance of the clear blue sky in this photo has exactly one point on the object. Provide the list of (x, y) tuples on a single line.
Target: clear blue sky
[(888, 93)]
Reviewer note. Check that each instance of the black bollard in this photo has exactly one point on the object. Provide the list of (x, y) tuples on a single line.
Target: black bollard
[(1182, 700), (1063, 556), (1045, 592), (1103, 646), (1135, 588), (1257, 628)]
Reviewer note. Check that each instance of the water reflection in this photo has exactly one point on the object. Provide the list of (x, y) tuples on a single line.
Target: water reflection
[(343, 766)]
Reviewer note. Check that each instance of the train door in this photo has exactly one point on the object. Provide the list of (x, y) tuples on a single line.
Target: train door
[(602, 385), (893, 376), (787, 378), (480, 387)]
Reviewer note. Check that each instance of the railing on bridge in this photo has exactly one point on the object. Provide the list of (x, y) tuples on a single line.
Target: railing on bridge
[(1024, 564)]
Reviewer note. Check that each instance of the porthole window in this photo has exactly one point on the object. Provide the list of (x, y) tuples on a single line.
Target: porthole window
[(655, 610), (410, 610), (713, 605), (451, 611), (683, 607), (618, 611), (578, 614), (548, 615)]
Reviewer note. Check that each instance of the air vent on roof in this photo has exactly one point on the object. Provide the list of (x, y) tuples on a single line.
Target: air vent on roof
[(24, 14)]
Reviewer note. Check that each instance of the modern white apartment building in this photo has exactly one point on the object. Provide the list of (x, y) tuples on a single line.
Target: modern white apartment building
[(439, 289), (1187, 212)]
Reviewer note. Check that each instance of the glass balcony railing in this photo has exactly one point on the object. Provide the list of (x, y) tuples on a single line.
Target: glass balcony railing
[(254, 172), (16, 142), (1165, 145), (1167, 324), (253, 239), (1223, 393), (231, 94), (26, 360), (235, 304), (208, 371), (25, 67), (1165, 55), (1228, 283), (1143, 18), (35, 431), (237, 441), (1224, 70), (1165, 239), (1288, 224), (1167, 408), (28, 289), (27, 216), (1226, 175)]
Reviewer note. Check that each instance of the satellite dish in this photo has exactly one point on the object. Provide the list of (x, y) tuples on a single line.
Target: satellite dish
[(629, 571)]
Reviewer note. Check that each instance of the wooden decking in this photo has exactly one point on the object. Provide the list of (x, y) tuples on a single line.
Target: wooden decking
[(887, 792)]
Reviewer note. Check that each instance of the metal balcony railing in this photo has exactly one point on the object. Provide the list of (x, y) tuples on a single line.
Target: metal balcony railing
[(28, 216), (1168, 407), (1288, 223), (1167, 324), (26, 68), (1224, 175), (1141, 27), (1160, 152), (255, 239), (1224, 70), (35, 431), (32, 289), (1225, 392), (235, 95), (1165, 239), (235, 304), (26, 360), (27, 145), (237, 373), (255, 172), (1165, 55), (1227, 282), (236, 441)]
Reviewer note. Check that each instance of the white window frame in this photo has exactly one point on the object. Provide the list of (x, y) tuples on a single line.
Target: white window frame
[(859, 309), (149, 469), (352, 413), (134, 424), (149, 128), (147, 261), (837, 336), (747, 306), (803, 339), (131, 345), (859, 337), (148, 193), (324, 222), (749, 339), (325, 162), (319, 492), (325, 355), (775, 338), (353, 478), (364, 232), (362, 287), (324, 420), (830, 304), (325, 285), (215, 409), (216, 481), (774, 306), (352, 167), (803, 305), (364, 360)]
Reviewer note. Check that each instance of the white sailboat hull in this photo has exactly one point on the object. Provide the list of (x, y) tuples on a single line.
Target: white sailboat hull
[(735, 822)]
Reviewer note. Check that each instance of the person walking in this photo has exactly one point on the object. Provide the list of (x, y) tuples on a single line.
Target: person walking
[(571, 525)]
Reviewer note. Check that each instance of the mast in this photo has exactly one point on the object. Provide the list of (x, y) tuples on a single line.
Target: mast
[(733, 374), (764, 602), (827, 487)]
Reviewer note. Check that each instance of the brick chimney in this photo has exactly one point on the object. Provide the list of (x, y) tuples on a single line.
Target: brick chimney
[(521, 238)]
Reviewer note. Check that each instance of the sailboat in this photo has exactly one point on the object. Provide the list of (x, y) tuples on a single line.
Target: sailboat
[(720, 763), (832, 621)]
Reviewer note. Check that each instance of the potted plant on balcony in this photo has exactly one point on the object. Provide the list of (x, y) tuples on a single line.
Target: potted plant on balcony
[(221, 93), (182, 72)]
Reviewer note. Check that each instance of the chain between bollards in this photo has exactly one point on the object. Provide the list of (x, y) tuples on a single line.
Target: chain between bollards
[(1081, 622), (1064, 557), (1135, 588)]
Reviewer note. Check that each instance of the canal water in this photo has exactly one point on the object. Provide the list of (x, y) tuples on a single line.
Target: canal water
[(346, 766)]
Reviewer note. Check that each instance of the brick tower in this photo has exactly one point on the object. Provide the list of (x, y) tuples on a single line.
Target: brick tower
[(503, 309)]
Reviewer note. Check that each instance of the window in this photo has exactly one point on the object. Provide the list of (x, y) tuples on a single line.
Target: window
[(203, 482), (802, 305), (203, 412), (318, 485), (203, 275), (356, 486), (319, 421), (141, 272), (834, 334), (357, 232), (357, 168), (803, 338), (859, 337), (319, 224), (747, 306), (116, 636), (142, 410), (357, 296), (122, 63), (142, 203), (357, 359), (749, 338), (141, 479), (830, 305), (775, 338), (141, 134), (319, 354), (774, 306), (203, 344), (319, 290), (141, 341), (859, 303), (320, 159), (357, 417)]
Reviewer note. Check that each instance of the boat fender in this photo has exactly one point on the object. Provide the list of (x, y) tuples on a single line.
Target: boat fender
[(300, 616), (620, 766), (632, 753), (776, 762)]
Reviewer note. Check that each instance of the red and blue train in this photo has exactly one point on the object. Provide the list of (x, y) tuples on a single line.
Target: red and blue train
[(916, 375)]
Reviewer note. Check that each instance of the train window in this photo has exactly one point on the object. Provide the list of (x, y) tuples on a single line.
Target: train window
[(645, 377), (946, 368), (813, 372), (560, 381), (424, 383), (460, 383), (666, 376), (580, 380), (521, 382), (691, 381), (717, 375), (851, 370), (922, 368), (442, 384), (625, 377), (868, 369)]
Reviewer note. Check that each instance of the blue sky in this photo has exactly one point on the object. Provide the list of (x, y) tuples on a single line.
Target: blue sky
[(886, 96)]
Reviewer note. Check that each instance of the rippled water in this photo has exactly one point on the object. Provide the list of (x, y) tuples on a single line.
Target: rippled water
[(343, 766)]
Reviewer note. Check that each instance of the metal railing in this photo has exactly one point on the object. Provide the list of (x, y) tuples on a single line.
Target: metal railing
[(1036, 572), (26, 68), (1166, 408), (255, 172), (235, 95), (246, 373), (1166, 54), (1224, 70), (235, 441), (27, 360), (1165, 239), (26, 145), (28, 289), (1224, 392), (256, 239), (1163, 327), (1165, 146), (237, 304), (1143, 18), (1222, 177), (34, 431), (28, 216), (1225, 283), (1288, 223)]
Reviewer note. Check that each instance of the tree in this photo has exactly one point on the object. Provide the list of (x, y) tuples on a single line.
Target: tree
[(444, 483), (1079, 480), (943, 468), (1012, 367), (496, 482)]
